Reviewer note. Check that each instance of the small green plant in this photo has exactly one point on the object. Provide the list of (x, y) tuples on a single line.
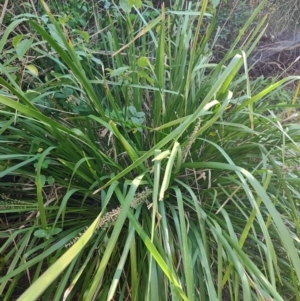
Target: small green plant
[(129, 117), (47, 233)]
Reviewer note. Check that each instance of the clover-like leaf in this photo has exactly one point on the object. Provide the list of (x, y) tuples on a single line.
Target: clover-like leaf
[(55, 231), (50, 180), (143, 62), (132, 110), (32, 69), (139, 114), (41, 233)]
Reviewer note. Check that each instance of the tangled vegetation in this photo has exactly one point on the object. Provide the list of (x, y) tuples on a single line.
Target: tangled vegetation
[(136, 164)]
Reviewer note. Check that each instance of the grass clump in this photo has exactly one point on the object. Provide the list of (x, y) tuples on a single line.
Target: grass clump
[(143, 170)]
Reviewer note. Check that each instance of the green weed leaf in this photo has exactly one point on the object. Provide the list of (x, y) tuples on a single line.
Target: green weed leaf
[(41, 233), (143, 62), (50, 180), (215, 3), (32, 69), (84, 34), (119, 71), (145, 75), (125, 6), (132, 110), (139, 114), (137, 3), (17, 39), (22, 48), (55, 231)]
